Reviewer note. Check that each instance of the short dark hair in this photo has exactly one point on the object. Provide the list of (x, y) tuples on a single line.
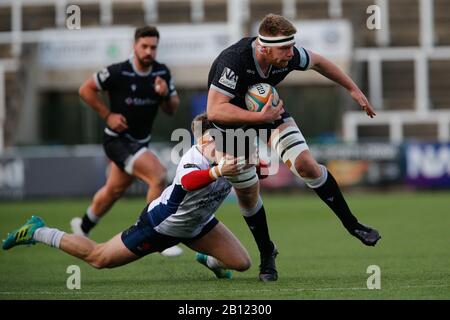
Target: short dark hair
[(146, 31), (202, 121)]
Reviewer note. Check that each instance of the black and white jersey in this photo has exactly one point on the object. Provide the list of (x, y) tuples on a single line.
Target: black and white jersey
[(236, 69), (132, 94)]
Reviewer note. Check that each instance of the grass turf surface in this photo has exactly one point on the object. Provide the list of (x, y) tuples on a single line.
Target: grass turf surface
[(318, 258)]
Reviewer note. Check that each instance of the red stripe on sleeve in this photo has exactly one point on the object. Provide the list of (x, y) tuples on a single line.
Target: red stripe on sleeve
[(196, 180)]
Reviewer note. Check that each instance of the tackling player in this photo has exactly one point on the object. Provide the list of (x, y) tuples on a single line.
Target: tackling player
[(183, 213)]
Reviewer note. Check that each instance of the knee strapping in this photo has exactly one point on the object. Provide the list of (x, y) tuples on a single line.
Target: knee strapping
[(250, 212), (289, 144), (318, 182), (245, 179)]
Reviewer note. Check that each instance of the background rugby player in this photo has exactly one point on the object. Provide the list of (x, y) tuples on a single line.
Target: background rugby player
[(137, 88)]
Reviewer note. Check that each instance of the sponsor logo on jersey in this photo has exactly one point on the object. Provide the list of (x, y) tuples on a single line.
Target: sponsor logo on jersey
[(133, 87), (139, 102), (228, 78), (128, 74), (251, 71), (159, 73), (279, 70), (191, 165), (214, 199)]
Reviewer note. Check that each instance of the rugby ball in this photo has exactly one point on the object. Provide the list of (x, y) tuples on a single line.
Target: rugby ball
[(258, 95)]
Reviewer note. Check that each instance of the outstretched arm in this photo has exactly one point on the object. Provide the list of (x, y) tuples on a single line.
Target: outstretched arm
[(328, 69)]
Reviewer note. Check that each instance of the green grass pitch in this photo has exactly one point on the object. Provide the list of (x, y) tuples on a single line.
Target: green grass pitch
[(318, 259)]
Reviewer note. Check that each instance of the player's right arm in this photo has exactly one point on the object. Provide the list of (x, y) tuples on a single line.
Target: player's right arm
[(89, 94), (226, 81), (197, 179), (220, 110)]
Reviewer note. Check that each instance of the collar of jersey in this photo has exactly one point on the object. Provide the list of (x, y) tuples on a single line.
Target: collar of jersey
[(258, 68), (142, 74)]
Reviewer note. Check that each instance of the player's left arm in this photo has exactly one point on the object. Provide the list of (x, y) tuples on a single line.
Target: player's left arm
[(330, 70), (170, 106)]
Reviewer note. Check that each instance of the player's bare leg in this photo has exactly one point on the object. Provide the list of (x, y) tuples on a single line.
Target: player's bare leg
[(116, 184), (219, 249), (291, 146), (110, 254), (149, 169)]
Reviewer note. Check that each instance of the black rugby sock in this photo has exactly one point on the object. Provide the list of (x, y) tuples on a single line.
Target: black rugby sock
[(330, 193), (258, 226), (87, 224)]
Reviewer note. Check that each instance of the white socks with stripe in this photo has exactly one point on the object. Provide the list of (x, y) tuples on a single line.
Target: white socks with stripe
[(49, 236)]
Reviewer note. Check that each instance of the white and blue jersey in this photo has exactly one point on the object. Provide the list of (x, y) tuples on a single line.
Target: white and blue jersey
[(178, 215), (181, 213)]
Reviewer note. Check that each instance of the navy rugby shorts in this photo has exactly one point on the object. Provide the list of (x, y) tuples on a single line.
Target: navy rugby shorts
[(120, 149), (142, 239)]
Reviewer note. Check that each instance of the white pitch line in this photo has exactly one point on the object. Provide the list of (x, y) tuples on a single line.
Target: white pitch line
[(77, 292)]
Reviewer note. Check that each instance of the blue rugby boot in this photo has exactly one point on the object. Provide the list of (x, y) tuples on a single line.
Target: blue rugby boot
[(220, 273), (23, 235)]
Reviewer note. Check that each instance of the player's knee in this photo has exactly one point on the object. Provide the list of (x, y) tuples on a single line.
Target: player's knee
[(248, 200), (252, 207), (101, 262), (162, 177), (97, 257), (307, 167), (243, 264), (157, 178)]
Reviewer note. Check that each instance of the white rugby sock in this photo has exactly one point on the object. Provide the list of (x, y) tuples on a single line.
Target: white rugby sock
[(90, 214), (49, 236), (213, 263)]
